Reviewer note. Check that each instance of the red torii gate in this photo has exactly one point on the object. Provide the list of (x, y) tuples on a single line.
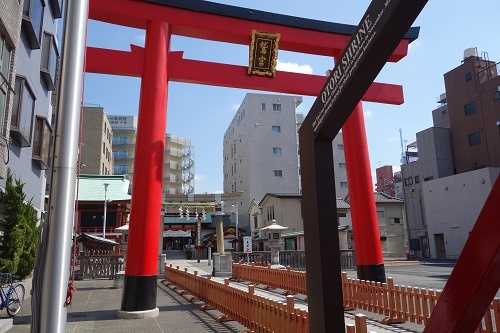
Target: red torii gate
[(156, 65)]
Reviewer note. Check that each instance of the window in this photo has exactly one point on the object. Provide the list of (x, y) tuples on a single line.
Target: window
[(397, 220), (276, 129), (41, 143), (468, 76), (5, 56), (470, 108), (417, 179), (22, 112), (120, 169), (426, 179), (342, 166), (56, 6), (474, 139), (277, 151), (343, 184), (496, 95), (50, 56), (5, 59), (33, 21), (270, 213), (120, 154), (443, 112), (278, 173), (380, 213), (277, 107), (340, 147), (121, 140), (263, 106), (255, 222), (408, 181)]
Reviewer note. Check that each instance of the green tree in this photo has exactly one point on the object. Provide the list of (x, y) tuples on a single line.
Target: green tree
[(20, 234)]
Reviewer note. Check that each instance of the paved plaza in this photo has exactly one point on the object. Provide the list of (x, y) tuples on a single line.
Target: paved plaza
[(96, 302)]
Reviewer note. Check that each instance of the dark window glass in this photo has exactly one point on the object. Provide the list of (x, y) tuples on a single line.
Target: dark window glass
[(277, 107), (33, 21), (417, 179), (5, 55), (470, 108), (50, 56), (22, 112), (41, 143), (496, 95), (408, 181), (474, 138), (56, 6), (5, 59), (468, 76)]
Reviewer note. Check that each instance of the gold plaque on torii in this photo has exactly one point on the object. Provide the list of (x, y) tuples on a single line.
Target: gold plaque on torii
[(263, 53)]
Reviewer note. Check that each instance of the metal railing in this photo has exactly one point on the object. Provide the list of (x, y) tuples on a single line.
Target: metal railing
[(92, 267), (295, 259)]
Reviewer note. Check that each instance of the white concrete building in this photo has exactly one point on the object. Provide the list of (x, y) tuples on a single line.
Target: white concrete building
[(261, 153), (452, 206)]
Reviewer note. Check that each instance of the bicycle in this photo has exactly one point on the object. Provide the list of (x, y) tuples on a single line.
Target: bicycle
[(14, 297)]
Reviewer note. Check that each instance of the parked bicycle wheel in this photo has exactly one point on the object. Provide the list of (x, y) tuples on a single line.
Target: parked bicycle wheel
[(15, 299)]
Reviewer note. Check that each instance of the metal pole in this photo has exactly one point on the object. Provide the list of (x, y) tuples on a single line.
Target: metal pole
[(237, 233), (209, 256), (62, 195), (105, 210)]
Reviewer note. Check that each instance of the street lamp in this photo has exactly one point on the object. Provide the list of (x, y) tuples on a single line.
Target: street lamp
[(237, 235), (105, 209)]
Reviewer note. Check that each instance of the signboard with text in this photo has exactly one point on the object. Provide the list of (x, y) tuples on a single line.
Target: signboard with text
[(247, 244), (377, 35)]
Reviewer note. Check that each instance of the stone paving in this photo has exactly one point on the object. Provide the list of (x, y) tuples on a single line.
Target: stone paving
[(96, 302)]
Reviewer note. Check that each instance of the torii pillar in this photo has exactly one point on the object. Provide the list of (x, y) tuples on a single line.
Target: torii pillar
[(140, 284)]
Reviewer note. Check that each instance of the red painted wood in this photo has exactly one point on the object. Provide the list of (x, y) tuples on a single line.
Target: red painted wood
[(361, 197), (149, 150), (475, 279), (201, 72), (115, 62), (133, 13)]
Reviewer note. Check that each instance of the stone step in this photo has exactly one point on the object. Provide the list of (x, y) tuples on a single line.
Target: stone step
[(5, 324)]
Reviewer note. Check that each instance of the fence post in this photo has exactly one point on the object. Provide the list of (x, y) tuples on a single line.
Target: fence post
[(393, 312), (360, 323)]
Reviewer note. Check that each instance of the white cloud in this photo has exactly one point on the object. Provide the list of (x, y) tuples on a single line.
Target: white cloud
[(199, 176), (293, 67), (235, 107), (368, 114)]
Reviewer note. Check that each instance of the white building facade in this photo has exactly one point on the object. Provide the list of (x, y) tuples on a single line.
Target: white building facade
[(261, 152)]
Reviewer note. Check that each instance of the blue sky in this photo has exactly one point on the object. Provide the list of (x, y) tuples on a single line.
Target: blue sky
[(203, 113)]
